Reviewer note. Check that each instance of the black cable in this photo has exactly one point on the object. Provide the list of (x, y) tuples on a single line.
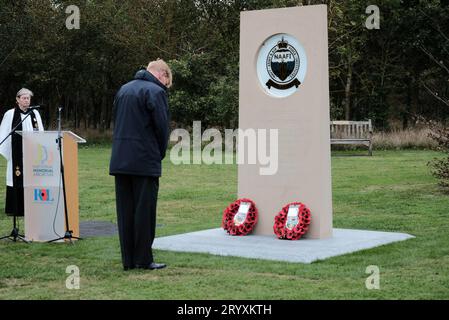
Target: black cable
[(57, 205)]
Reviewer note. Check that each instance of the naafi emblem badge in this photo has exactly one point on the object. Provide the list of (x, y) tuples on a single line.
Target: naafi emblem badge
[(281, 65)]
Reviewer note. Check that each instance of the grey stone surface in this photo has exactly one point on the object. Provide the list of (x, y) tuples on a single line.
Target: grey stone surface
[(97, 229), (218, 242), (101, 229)]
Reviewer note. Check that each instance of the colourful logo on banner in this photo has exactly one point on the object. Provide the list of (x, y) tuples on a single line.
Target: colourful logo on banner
[(43, 166), (44, 157), (42, 195)]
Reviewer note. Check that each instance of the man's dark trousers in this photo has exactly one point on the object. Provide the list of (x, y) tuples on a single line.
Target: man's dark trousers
[(136, 200)]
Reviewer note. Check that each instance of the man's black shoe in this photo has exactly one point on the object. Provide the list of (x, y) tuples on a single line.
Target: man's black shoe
[(126, 268), (152, 266)]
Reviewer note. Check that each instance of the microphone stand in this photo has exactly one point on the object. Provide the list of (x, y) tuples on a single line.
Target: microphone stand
[(15, 128), (68, 235), (15, 235)]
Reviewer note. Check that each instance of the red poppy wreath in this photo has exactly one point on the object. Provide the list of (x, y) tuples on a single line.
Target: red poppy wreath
[(292, 222), (240, 217)]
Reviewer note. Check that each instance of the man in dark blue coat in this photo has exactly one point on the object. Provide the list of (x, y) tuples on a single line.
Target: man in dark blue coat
[(141, 132)]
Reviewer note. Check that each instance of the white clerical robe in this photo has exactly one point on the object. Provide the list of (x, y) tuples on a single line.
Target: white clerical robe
[(5, 129)]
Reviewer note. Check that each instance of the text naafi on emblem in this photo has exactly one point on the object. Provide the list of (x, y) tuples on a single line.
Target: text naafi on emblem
[(281, 65)]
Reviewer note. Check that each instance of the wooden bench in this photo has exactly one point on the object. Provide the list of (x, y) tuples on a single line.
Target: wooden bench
[(352, 132)]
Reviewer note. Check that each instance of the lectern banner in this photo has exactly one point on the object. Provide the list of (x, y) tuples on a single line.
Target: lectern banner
[(43, 193), (41, 159), (44, 213)]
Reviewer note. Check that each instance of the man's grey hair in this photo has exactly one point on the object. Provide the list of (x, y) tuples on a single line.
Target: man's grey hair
[(24, 91)]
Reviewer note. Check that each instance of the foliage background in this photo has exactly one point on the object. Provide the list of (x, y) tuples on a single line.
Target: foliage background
[(389, 75)]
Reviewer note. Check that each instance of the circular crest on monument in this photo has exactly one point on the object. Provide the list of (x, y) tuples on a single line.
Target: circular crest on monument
[(281, 65)]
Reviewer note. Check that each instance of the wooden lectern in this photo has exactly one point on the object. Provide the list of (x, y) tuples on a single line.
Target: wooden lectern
[(43, 193)]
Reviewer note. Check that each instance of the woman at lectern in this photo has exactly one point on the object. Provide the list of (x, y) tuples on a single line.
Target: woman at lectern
[(11, 148)]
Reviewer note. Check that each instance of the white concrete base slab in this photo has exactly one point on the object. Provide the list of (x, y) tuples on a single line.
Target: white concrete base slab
[(218, 242)]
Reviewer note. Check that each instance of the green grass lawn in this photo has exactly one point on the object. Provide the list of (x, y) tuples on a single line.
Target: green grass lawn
[(391, 191)]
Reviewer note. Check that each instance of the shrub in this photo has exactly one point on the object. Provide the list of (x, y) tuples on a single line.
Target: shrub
[(440, 167)]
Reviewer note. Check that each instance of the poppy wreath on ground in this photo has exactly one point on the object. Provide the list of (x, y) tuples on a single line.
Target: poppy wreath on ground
[(292, 228), (239, 223)]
